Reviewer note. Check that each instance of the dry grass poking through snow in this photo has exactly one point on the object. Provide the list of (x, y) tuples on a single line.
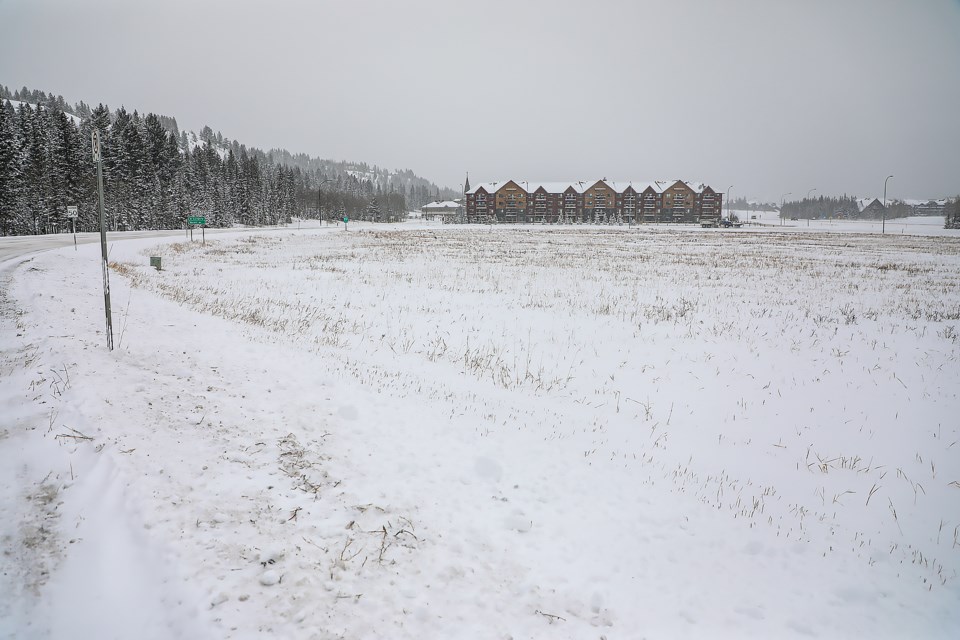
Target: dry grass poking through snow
[(805, 384)]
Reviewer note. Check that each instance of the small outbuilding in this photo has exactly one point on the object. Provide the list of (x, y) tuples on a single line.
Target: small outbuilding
[(442, 211)]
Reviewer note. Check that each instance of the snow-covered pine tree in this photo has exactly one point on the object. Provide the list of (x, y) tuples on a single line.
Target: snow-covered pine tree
[(158, 181), (373, 213), (118, 168), (251, 190), (68, 186), (172, 182), (9, 168), (231, 176), (36, 173), (132, 170), (952, 214)]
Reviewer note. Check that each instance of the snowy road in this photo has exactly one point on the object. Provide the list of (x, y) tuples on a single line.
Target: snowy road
[(12, 247), (16, 246)]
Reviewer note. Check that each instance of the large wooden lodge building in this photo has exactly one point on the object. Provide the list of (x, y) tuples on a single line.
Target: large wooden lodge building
[(600, 201)]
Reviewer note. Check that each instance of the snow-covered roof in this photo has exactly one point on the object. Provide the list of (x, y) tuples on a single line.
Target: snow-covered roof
[(586, 185), (863, 203), (638, 186), (489, 187), (581, 186), (918, 203), (446, 204), (549, 187)]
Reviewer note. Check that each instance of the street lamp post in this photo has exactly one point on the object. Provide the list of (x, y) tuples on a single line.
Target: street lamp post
[(728, 201), (807, 198), (883, 223), (788, 193)]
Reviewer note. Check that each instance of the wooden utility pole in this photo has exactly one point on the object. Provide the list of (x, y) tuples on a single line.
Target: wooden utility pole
[(97, 159)]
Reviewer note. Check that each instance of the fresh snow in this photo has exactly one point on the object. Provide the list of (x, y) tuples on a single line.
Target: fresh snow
[(913, 225), (16, 105), (194, 142), (416, 431)]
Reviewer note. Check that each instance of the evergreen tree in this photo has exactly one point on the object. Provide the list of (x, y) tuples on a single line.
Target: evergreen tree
[(231, 175), (36, 174), (67, 182), (153, 179), (952, 214), (9, 168), (176, 209), (157, 174), (373, 211), (131, 178)]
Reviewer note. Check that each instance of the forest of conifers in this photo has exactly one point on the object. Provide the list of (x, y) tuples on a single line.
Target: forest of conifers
[(155, 176)]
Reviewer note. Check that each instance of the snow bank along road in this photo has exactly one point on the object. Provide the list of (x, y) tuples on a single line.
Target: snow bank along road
[(492, 433)]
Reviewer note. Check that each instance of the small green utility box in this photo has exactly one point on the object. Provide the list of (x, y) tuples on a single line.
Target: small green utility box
[(155, 262)]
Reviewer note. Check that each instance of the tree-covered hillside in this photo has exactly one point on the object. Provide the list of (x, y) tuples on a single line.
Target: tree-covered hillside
[(155, 175)]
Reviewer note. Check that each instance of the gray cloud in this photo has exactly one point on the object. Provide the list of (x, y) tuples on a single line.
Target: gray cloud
[(766, 95)]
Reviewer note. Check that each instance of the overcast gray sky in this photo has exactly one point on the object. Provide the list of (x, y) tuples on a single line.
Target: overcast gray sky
[(768, 96)]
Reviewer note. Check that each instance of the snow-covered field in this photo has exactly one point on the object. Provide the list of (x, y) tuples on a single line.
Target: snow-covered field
[(461, 432), (913, 225)]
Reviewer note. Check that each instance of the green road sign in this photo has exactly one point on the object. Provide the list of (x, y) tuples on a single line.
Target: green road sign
[(346, 219), (196, 220)]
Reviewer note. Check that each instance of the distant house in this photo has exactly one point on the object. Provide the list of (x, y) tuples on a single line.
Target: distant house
[(929, 207), (442, 211), (870, 208)]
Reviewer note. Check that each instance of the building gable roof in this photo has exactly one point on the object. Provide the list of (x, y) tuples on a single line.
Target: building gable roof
[(488, 187), (506, 185), (674, 183), (549, 187), (445, 205), (581, 186)]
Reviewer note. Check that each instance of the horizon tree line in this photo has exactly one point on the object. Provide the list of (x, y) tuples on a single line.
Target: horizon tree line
[(154, 178)]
